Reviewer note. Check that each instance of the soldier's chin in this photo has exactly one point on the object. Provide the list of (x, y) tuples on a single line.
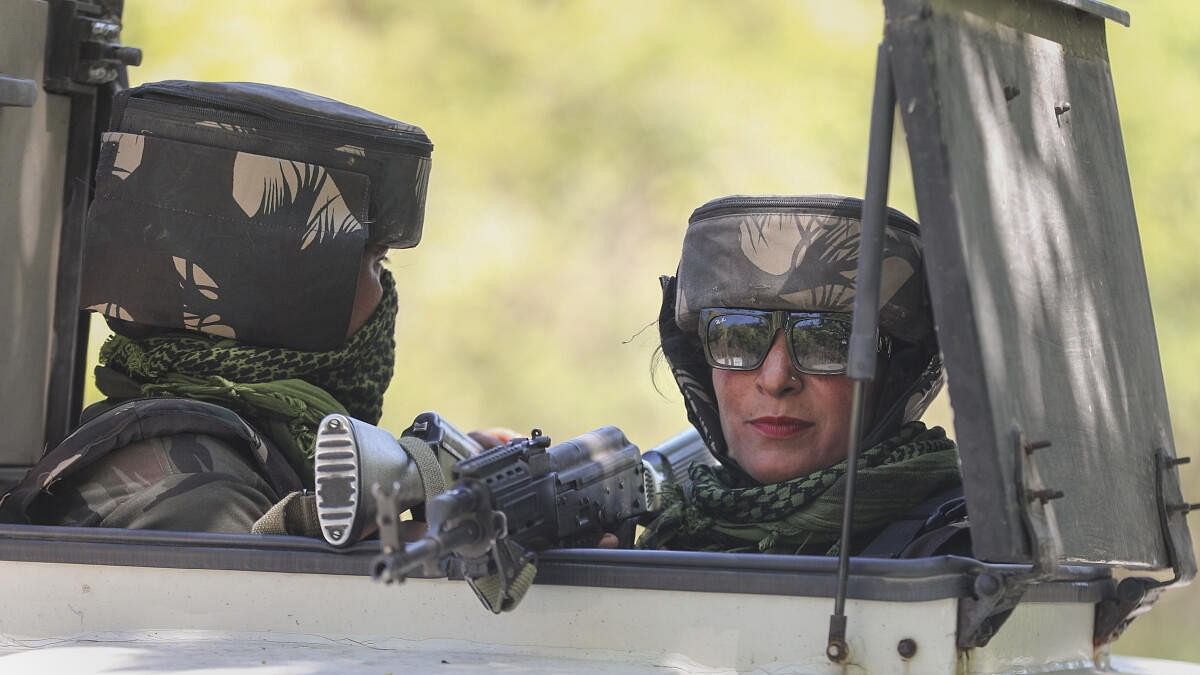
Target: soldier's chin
[(768, 467)]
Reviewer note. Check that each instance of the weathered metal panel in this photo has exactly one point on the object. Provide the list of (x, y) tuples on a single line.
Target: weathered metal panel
[(1036, 272), (32, 164)]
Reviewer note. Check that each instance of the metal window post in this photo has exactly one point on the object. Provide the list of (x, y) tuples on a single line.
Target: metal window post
[(863, 340)]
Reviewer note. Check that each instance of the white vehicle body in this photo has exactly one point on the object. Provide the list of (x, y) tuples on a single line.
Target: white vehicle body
[(117, 619)]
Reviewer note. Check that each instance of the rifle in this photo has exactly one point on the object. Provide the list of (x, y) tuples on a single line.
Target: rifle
[(504, 505), (513, 501)]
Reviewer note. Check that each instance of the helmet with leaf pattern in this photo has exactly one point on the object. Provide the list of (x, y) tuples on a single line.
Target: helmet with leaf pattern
[(243, 210)]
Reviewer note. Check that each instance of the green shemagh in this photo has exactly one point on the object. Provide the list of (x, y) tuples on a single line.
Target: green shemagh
[(804, 515), (283, 393)]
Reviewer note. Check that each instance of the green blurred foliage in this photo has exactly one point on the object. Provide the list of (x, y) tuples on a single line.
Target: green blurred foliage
[(574, 138)]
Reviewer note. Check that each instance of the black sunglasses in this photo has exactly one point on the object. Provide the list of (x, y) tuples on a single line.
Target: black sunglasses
[(739, 339)]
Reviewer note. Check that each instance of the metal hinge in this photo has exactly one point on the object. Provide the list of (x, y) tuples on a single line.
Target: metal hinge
[(83, 48), (1034, 497), (1135, 595), (995, 595)]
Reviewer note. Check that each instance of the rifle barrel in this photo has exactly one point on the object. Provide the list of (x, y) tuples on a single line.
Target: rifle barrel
[(390, 567)]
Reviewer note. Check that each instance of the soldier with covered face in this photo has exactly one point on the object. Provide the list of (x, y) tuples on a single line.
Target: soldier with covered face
[(756, 328), (235, 246)]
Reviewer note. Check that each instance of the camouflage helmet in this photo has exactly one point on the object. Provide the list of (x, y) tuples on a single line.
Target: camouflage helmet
[(243, 210), (798, 253)]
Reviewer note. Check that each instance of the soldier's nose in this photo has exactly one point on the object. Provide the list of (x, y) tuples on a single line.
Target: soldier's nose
[(776, 377)]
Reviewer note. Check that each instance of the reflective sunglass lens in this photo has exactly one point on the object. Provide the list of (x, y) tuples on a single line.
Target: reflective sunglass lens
[(738, 341), (820, 345)]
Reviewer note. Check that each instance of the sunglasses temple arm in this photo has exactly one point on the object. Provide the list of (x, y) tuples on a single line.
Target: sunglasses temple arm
[(861, 360)]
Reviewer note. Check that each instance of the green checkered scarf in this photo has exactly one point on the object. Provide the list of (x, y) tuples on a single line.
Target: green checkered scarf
[(804, 515), (283, 393)]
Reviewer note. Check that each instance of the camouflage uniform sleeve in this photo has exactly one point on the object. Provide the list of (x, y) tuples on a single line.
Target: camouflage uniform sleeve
[(190, 482)]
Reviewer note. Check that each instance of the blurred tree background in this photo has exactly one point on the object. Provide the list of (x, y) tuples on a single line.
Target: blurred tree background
[(573, 139)]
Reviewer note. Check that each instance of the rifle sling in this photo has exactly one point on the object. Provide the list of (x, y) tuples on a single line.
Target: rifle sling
[(430, 470)]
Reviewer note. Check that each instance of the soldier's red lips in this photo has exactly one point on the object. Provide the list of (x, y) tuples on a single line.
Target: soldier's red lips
[(779, 427)]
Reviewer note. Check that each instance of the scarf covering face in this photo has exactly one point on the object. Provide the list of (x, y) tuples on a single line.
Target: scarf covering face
[(804, 515), (283, 393)]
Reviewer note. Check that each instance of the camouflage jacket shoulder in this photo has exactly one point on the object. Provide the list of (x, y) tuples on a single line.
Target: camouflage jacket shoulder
[(180, 436)]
